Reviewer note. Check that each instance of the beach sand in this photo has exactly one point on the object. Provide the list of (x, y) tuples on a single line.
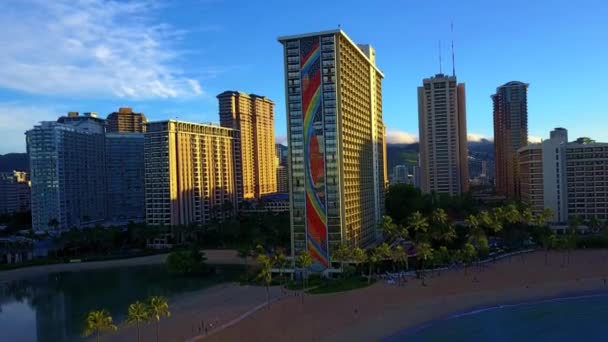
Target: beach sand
[(383, 310), (224, 256)]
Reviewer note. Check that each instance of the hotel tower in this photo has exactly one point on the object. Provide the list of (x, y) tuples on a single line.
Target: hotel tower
[(253, 116), (336, 159), (442, 124), (192, 173), (510, 105)]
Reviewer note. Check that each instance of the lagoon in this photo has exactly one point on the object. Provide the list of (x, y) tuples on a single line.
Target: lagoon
[(53, 307)]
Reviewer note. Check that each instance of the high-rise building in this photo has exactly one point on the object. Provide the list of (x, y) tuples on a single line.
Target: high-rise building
[(281, 153), (282, 182), (442, 124), (510, 134), (192, 173), (336, 142), (125, 120), (587, 172), (125, 176), (67, 171), (14, 192), (568, 178), (542, 175), (253, 116), (400, 174)]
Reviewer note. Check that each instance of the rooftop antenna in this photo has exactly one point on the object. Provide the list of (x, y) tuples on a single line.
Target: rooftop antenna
[(453, 55), (440, 69)]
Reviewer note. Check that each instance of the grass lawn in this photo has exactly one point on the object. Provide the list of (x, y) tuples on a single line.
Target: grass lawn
[(340, 285)]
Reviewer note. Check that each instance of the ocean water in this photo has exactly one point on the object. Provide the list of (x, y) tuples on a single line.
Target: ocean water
[(581, 319)]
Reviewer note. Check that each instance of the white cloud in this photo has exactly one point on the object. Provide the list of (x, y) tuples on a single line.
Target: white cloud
[(399, 137), (90, 47), (533, 139), (281, 139), (15, 119), (477, 137)]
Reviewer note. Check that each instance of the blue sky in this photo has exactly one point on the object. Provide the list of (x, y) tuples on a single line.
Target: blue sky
[(170, 58)]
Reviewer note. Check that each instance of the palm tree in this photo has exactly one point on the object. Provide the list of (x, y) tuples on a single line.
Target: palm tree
[(595, 224), (425, 253), (304, 261), (469, 253), (443, 256), (280, 260), (342, 254), (388, 227), (243, 253), (526, 216), (138, 312), (265, 274), (358, 255), (158, 307), (379, 253), (98, 321), (399, 256), (418, 224), (53, 223)]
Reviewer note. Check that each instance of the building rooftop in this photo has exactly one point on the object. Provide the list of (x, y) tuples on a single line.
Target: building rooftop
[(282, 39)]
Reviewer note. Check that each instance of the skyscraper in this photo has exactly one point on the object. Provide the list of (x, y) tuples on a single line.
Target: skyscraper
[(253, 116), (568, 178), (14, 192), (125, 176), (67, 170), (192, 173), (510, 134), (336, 142), (125, 120), (442, 124)]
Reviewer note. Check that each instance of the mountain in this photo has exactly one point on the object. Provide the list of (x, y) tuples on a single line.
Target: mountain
[(407, 154), (14, 161)]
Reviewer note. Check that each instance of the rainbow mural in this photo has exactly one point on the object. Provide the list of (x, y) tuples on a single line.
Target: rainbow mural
[(314, 151)]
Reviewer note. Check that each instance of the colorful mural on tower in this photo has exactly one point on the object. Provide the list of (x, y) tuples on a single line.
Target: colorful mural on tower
[(314, 151)]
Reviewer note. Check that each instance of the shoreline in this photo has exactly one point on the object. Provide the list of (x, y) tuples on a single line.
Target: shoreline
[(214, 257), (381, 311), (410, 332)]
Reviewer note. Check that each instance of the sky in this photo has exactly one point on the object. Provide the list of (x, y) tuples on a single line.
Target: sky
[(169, 59)]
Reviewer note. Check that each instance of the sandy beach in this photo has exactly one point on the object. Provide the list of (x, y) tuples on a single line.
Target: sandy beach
[(383, 310), (213, 257)]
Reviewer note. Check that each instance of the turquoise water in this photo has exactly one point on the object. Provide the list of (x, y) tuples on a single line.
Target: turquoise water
[(53, 307), (582, 318)]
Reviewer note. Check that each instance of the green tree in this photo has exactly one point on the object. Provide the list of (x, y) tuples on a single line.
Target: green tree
[(359, 256), (442, 256), (280, 260), (98, 321), (342, 254), (388, 227), (138, 313), (595, 224), (400, 257), (425, 253), (158, 307), (418, 224), (304, 261), (186, 262), (379, 253), (469, 254), (53, 223), (265, 274), (243, 252)]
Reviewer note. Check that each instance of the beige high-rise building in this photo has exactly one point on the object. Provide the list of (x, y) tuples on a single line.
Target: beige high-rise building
[(442, 120), (192, 173), (126, 121), (253, 116), (568, 178), (337, 161)]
